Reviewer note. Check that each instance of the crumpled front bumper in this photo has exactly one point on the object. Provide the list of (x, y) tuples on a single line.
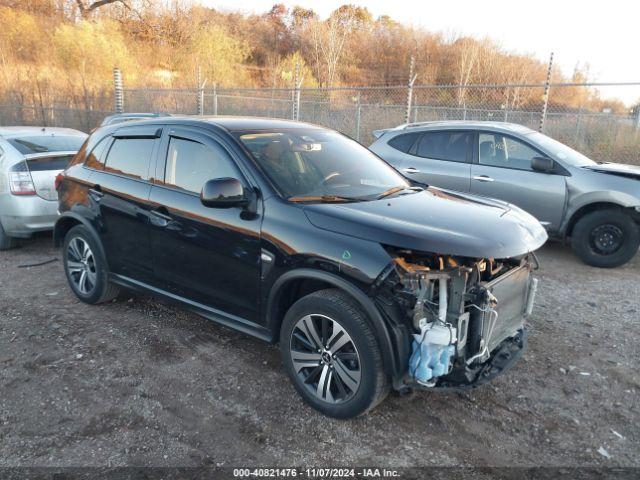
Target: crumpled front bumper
[(503, 357)]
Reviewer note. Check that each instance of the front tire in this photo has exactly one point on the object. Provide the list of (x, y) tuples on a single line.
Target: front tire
[(86, 268), (332, 356), (605, 238)]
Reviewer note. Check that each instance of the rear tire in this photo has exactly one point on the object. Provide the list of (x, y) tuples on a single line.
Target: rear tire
[(86, 267), (345, 380), (6, 242), (605, 238)]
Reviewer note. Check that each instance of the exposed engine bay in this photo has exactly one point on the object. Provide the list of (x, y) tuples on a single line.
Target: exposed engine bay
[(466, 316)]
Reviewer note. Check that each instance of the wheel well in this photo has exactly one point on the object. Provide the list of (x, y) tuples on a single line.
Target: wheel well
[(290, 293), (592, 207), (62, 227)]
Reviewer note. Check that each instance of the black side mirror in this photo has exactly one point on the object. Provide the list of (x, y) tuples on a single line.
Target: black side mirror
[(223, 193), (542, 164)]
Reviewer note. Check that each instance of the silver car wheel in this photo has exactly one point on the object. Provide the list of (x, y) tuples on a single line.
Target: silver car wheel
[(81, 265), (325, 358)]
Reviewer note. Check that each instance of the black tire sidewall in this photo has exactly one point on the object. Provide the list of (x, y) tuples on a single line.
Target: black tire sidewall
[(580, 239), (101, 265), (366, 394)]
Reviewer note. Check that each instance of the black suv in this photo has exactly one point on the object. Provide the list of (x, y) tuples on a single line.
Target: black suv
[(296, 234)]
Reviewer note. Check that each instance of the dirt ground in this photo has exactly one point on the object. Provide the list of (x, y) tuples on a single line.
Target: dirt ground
[(140, 382)]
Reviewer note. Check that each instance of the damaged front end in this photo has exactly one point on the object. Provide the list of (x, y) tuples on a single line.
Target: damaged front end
[(465, 316)]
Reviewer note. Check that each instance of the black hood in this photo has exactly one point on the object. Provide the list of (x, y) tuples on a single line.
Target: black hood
[(436, 221), (620, 169)]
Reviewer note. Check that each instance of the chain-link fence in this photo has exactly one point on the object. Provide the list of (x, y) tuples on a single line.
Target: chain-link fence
[(575, 113)]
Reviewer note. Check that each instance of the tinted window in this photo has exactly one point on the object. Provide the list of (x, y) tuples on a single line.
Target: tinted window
[(40, 164), (451, 146), (190, 164), (502, 151), (404, 142), (42, 144), (96, 158), (130, 156)]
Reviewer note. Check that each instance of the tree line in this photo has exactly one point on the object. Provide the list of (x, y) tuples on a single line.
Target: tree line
[(63, 51)]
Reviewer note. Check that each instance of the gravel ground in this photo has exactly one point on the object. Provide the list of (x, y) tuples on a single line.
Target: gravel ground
[(141, 382)]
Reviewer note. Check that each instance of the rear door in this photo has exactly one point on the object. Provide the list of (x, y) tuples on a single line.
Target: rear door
[(120, 189), (503, 171), (207, 255), (442, 159)]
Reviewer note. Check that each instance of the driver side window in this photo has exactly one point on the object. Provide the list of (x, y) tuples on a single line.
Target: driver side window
[(498, 150), (190, 164)]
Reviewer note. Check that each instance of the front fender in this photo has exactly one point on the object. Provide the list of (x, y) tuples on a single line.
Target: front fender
[(380, 328), (613, 197)]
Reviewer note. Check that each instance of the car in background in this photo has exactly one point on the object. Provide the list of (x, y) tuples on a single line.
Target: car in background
[(297, 234), (130, 117), (594, 205), (30, 160)]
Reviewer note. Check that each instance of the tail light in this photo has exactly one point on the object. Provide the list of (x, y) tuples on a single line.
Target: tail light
[(20, 181), (58, 181)]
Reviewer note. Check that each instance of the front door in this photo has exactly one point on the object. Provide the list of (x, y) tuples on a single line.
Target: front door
[(207, 255), (503, 171)]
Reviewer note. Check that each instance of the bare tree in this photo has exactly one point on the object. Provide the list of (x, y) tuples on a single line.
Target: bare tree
[(86, 8)]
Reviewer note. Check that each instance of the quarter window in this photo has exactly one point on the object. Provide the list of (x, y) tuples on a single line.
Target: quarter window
[(96, 158), (130, 156), (450, 146), (190, 164), (404, 142), (501, 151)]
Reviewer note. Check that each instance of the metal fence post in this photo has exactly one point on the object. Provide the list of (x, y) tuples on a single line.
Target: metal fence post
[(637, 118), (200, 86), (297, 83), (358, 115), (118, 92), (545, 98), (215, 99)]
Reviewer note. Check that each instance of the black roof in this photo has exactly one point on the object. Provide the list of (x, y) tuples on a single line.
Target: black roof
[(231, 124)]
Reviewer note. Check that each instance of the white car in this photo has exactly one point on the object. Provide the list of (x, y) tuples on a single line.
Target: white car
[(30, 160)]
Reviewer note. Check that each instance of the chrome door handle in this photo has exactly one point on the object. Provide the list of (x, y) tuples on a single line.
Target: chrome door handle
[(411, 170), (159, 219), (483, 178)]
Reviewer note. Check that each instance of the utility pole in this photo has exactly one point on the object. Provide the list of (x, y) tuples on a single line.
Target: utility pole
[(545, 98), (412, 79)]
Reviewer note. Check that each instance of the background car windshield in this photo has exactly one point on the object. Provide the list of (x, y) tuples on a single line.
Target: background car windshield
[(42, 144), (560, 151), (315, 162)]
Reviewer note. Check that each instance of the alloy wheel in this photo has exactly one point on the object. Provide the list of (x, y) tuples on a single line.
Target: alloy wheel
[(81, 265), (325, 358)]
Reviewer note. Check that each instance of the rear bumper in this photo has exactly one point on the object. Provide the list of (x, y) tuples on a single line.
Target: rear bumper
[(23, 215)]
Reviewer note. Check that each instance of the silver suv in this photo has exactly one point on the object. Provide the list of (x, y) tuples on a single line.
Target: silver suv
[(595, 205), (30, 159)]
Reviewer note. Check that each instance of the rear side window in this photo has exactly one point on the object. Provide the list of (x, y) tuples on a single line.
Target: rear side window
[(450, 146), (190, 164), (130, 156), (404, 142), (42, 144)]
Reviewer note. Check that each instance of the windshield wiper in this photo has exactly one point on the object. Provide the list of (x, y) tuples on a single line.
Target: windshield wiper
[(324, 199), (393, 190)]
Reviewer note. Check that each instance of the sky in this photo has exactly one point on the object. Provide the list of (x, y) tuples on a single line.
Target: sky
[(606, 35)]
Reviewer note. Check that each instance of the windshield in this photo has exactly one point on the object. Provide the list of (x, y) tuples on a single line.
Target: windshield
[(561, 151), (45, 143), (321, 165)]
